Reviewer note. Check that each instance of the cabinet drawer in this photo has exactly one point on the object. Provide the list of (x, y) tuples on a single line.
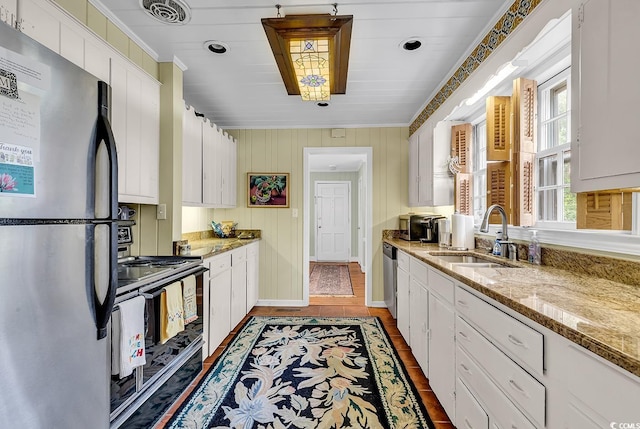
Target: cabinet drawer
[(403, 260), (522, 343), (514, 381), (442, 285), (469, 414), (601, 387), (218, 264), (501, 410), (418, 270)]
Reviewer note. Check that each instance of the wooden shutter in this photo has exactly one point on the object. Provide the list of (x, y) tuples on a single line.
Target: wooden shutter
[(498, 128), (464, 194), (499, 189), (604, 210), (523, 211), (461, 143), (524, 105)]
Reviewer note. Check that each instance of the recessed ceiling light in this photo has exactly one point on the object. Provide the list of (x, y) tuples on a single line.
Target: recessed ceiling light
[(411, 44), (322, 104), (216, 46)]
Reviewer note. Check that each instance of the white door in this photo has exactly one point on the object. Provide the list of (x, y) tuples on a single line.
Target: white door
[(333, 229)]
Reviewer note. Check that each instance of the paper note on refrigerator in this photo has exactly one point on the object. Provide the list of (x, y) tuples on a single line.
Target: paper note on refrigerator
[(16, 171)]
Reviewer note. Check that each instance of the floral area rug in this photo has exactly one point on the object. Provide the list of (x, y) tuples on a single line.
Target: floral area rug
[(330, 279), (306, 372)]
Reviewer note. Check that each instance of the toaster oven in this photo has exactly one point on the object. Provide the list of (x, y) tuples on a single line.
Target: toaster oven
[(419, 227)]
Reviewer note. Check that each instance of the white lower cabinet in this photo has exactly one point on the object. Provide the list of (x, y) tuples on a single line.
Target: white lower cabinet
[(598, 392), (418, 323), (501, 411), (492, 367), (219, 299), (469, 413), (442, 370), (402, 297), (238, 285), (253, 283), (232, 292)]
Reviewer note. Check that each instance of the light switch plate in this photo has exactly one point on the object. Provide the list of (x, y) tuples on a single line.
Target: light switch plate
[(161, 212), (294, 212)]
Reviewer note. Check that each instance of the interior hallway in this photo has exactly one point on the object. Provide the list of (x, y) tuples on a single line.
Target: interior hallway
[(343, 307)]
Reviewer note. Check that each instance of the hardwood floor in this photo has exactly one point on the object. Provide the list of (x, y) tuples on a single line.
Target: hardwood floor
[(343, 307)]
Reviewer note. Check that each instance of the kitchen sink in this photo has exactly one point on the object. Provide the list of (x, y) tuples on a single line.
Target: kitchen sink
[(470, 261)]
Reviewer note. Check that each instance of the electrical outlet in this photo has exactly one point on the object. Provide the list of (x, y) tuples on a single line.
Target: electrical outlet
[(161, 212)]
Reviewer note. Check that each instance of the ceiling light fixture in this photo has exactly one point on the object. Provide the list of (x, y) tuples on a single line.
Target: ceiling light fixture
[(411, 44), (312, 52), (216, 46)]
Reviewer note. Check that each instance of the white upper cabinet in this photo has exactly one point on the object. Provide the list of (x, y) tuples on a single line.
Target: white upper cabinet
[(229, 168), (135, 96), (135, 119), (192, 145), (430, 183), (208, 164), (606, 147)]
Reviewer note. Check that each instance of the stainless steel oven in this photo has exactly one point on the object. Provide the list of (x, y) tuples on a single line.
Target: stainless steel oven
[(140, 399)]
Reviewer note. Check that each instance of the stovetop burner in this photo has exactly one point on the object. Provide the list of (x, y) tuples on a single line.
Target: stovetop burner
[(139, 270)]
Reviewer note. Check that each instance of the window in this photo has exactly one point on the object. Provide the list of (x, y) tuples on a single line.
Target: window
[(479, 169), (554, 200)]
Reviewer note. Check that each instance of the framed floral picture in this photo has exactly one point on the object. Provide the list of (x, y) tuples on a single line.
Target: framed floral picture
[(268, 189)]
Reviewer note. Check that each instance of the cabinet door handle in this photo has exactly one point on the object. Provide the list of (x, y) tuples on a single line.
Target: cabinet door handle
[(463, 335), (467, 424), (462, 303), (515, 386), (517, 342), (464, 368)]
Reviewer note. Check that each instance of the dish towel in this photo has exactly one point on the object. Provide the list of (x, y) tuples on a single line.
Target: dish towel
[(189, 298), (132, 352), (171, 319)]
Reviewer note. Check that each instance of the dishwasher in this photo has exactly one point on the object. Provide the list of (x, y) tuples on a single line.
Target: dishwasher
[(389, 267)]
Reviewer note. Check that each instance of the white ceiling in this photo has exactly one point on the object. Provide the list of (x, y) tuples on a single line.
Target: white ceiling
[(386, 86)]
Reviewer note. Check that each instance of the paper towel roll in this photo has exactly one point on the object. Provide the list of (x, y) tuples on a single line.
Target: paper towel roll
[(458, 231), (462, 232), (469, 239)]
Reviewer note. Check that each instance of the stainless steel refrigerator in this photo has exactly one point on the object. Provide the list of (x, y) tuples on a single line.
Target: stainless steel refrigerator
[(58, 251)]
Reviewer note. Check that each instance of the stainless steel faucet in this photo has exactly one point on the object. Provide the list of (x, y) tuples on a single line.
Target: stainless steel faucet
[(506, 247)]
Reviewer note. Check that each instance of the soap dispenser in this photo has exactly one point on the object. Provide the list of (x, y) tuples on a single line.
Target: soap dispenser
[(497, 250), (534, 249)]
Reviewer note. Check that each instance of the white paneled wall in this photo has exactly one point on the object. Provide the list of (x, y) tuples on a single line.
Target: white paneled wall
[(196, 219), (281, 151)]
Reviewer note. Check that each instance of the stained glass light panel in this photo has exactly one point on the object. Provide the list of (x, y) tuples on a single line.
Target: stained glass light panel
[(311, 64)]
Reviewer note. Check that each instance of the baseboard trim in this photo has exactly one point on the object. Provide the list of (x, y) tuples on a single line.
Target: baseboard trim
[(281, 303), (377, 304)]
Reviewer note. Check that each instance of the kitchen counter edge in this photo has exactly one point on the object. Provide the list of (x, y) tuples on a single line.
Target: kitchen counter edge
[(466, 276)]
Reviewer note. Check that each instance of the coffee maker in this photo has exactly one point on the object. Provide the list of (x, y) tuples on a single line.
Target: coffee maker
[(430, 225)]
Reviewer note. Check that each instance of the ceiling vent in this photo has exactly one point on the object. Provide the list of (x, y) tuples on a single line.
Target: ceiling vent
[(174, 12)]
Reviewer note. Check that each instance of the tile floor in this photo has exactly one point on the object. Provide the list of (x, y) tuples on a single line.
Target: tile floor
[(347, 306)]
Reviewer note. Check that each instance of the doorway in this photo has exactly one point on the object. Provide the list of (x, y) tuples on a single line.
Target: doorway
[(333, 159)]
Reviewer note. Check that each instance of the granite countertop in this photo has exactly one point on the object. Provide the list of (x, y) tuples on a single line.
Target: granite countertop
[(208, 247), (600, 315)]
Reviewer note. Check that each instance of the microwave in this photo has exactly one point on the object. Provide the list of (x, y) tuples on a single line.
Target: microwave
[(419, 227)]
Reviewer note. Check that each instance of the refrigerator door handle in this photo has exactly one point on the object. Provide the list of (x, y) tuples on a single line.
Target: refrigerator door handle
[(103, 272), (104, 261)]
